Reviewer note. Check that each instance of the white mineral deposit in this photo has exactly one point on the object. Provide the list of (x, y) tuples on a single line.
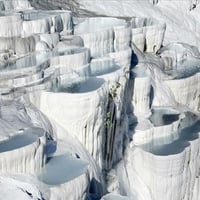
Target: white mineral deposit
[(99, 100)]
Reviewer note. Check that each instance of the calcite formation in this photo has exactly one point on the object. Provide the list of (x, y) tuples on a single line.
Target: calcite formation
[(95, 106)]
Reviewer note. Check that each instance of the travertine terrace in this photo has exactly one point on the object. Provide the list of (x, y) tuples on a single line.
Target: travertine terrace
[(99, 105)]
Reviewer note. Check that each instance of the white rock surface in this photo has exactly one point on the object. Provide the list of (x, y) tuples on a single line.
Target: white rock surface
[(12, 25), (92, 104), (66, 177), (22, 187), (46, 22), (186, 91), (147, 34), (114, 196), (98, 33)]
